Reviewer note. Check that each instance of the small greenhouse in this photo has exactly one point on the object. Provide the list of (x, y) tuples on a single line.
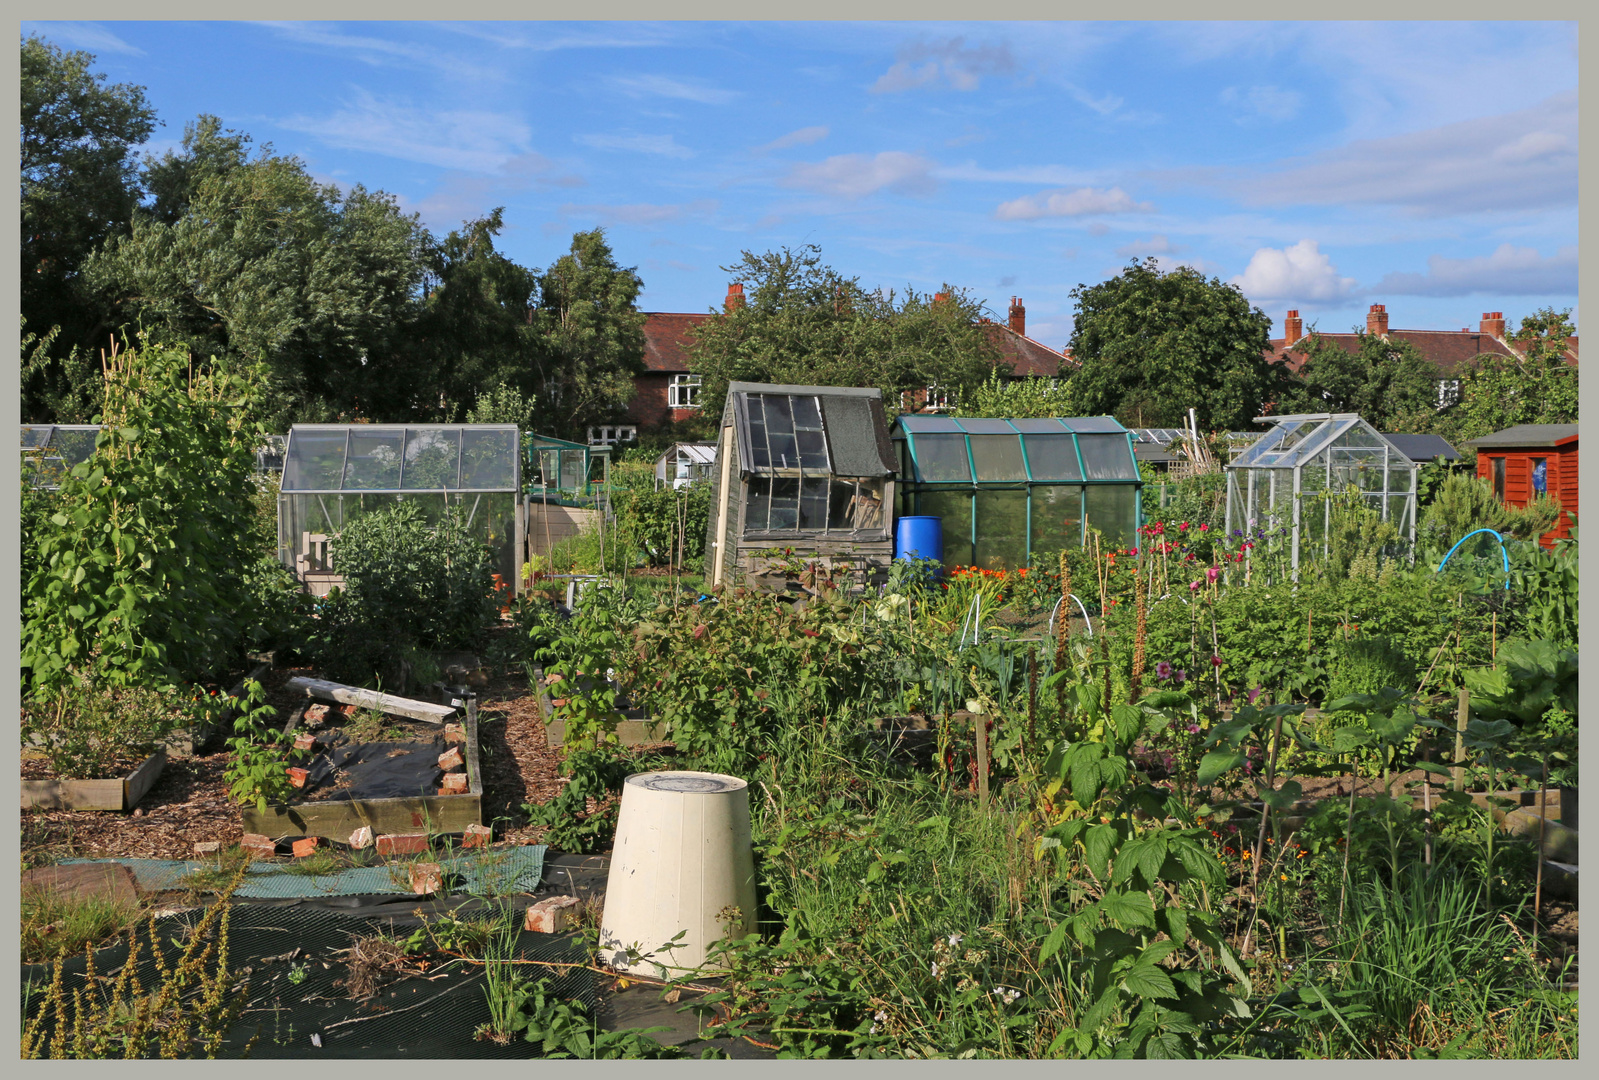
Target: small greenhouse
[(558, 470), (805, 470), (685, 462), (1009, 491), (49, 450), (1290, 477), (332, 473)]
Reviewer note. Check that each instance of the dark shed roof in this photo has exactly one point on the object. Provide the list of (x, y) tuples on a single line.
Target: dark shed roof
[(853, 422), (1423, 447), (1529, 435)]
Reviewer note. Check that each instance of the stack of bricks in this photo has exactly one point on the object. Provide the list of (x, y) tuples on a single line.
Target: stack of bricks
[(454, 783)]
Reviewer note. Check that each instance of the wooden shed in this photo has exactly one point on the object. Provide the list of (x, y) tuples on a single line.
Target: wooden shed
[(802, 472), (1528, 459)]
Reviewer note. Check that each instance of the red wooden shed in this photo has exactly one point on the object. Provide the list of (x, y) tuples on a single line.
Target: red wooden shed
[(1528, 458)]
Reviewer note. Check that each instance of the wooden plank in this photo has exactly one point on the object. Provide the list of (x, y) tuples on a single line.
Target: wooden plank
[(327, 690), (115, 794), (628, 732)]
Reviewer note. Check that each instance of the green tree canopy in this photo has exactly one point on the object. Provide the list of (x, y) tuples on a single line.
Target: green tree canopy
[(1031, 397), (1153, 344), (262, 262), (79, 188), (1499, 391), (804, 322), (1383, 380)]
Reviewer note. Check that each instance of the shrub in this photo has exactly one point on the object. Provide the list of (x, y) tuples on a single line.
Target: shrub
[(1465, 503), (93, 731), (653, 516)]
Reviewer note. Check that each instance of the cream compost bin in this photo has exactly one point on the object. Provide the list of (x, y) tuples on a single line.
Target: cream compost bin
[(681, 862)]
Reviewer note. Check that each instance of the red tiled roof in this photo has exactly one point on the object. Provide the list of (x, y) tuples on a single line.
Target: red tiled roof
[(666, 339), (666, 346), (1448, 350)]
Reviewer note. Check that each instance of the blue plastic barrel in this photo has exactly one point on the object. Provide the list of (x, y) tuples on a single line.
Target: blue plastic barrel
[(919, 536)]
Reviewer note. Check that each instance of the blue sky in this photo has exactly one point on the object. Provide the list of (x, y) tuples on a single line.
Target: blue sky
[(1321, 166)]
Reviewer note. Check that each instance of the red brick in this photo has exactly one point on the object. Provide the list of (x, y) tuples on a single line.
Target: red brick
[(316, 713), (297, 777), (454, 784), (361, 838), (402, 843), (426, 878), (477, 836), (305, 847), (305, 741), (262, 847), (451, 759), (454, 733), (553, 915)]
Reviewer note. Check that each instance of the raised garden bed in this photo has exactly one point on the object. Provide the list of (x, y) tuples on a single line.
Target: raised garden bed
[(120, 794), (634, 729), (354, 782)]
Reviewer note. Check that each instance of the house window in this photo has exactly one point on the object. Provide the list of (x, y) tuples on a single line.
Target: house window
[(1540, 475), (683, 392), (930, 399), (609, 435), (1499, 478), (1448, 392)]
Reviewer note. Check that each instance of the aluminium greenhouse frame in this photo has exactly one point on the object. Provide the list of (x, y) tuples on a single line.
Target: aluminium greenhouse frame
[(1318, 455), (1082, 469)]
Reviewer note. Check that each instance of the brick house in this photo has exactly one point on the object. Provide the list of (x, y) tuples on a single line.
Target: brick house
[(1447, 350), (667, 390)]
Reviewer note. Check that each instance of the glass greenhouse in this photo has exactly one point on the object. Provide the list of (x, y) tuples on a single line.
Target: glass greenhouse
[(51, 449), (557, 469), (1009, 491), (1288, 479), (333, 473)]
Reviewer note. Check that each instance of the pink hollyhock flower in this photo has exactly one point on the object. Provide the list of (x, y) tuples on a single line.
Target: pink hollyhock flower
[(1212, 573)]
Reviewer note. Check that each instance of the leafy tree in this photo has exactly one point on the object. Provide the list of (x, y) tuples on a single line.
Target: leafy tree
[(78, 189), (262, 262), (1497, 391), (1382, 380), (592, 335), (1153, 344), (504, 405), (997, 396), (804, 322)]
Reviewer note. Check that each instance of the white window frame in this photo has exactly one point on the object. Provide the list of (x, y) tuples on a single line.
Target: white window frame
[(683, 392), (1448, 392), (611, 434)]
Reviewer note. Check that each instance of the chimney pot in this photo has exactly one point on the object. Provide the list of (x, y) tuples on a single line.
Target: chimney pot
[(735, 296), (1018, 317), (1293, 328), (1377, 320), (1493, 324)]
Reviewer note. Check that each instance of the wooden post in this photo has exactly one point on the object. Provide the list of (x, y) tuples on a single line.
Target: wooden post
[(1460, 739), (981, 723), (1543, 816), (1032, 694)]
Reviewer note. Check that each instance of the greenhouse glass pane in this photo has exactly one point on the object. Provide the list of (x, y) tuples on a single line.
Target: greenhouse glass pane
[(813, 503), (1001, 529), (1053, 457), (488, 459), (942, 459), (1039, 424), (572, 470), (807, 417), (760, 455), (855, 505), (1111, 509), (778, 419), (954, 511), (758, 504), (812, 450), (315, 460), (785, 452), (1094, 423), (75, 445), (374, 458), (433, 458), (1057, 521), (785, 503), (998, 458), (34, 435), (986, 426), (1107, 457), (1400, 476), (919, 423)]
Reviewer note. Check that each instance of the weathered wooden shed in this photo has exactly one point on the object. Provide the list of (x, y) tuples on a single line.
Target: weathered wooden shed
[(1528, 460), (803, 472)]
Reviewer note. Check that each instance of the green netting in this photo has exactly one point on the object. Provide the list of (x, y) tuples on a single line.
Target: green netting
[(517, 869)]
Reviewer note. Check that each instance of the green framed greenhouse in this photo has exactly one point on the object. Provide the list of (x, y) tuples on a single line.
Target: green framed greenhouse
[(333, 473), (1012, 491)]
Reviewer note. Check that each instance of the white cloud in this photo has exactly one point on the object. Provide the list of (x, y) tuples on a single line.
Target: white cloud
[(851, 176), (640, 213), (1514, 161), (1159, 244), (82, 35), (664, 145), (1070, 204), (465, 139), (1509, 271), (661, 86), (1300, 272), (925, 63), (377, 51), (805, 136), (1054, 175), (1263, 102)]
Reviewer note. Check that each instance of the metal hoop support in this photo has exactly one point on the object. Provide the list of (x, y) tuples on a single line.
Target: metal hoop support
[(1503, 554)]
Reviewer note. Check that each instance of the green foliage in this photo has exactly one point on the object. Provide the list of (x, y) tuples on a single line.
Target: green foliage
[(593, 775), (1528, 678), (1465, 503), (409, 583), (1382, 380), (258, 751), (564, 1028), (1153, 344), (1031, 397), (1539, 388), (804, 322), (656, 517), (504, 404), (93, 731), (1359, 542), (139, 579), (78, 190)]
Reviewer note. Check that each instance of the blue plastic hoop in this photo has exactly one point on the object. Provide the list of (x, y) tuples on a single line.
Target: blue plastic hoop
[(1503, 554)]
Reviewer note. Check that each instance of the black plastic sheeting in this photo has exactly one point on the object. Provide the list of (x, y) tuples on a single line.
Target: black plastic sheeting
[(374, 770)]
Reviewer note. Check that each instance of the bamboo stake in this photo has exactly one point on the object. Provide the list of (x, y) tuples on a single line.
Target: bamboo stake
[(1543, 819), (1464, 713), (980, 721), (1032, 693)]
